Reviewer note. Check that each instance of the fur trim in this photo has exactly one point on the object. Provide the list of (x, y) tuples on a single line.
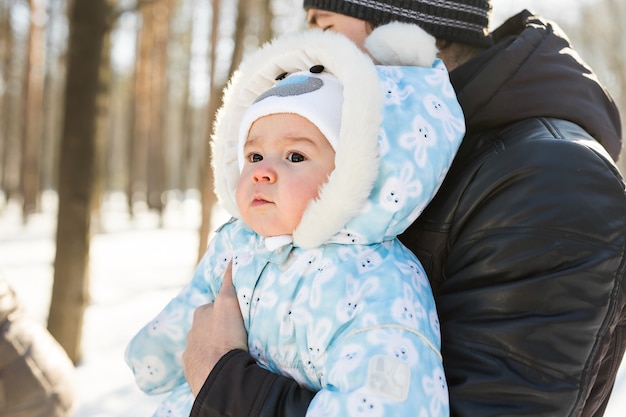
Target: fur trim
[(356, 161), (399, 43)]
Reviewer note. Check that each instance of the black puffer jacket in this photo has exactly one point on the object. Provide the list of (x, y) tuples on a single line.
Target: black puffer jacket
[(524, 245)]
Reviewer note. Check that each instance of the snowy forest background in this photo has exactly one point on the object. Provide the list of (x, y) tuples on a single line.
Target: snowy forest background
[(105, 201)]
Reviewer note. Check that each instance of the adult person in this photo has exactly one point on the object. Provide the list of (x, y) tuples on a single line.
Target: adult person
[(524, 242), (321, 173)]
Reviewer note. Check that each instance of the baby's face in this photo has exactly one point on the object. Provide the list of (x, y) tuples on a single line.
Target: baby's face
[(286, 161)]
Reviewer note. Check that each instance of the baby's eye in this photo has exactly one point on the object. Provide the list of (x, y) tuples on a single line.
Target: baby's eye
[(295, 157), (255, 157)]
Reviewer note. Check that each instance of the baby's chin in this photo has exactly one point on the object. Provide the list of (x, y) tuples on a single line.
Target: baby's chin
[(270, 233)]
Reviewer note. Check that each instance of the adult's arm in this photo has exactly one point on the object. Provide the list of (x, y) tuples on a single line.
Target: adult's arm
[(224, 377), (238, 387)]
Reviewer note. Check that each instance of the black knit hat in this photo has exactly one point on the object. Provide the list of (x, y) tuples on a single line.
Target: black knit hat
[(464, 21)]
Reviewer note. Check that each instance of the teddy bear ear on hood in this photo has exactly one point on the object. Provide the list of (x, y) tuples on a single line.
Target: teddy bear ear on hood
[(388, 45)]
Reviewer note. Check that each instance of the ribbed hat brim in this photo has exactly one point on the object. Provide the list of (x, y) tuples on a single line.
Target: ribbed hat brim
[(465, 21)]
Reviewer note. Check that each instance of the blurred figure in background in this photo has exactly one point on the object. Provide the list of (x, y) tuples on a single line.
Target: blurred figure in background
[(36, 375)]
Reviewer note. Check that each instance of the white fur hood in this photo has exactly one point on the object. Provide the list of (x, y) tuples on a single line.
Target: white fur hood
[(385, 171)]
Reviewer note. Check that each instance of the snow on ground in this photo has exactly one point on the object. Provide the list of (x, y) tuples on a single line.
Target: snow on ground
[(136, 267)]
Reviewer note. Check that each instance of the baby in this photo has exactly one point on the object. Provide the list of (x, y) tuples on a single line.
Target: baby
[(323, 158)]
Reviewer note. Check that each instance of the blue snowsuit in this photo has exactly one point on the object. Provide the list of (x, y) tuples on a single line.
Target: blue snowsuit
[(341, 306)]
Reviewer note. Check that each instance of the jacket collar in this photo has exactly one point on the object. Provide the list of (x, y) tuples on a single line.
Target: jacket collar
[(532, 71)]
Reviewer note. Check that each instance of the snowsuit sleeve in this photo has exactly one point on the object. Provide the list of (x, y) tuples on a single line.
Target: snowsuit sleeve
[(383, 356), (154, 353)]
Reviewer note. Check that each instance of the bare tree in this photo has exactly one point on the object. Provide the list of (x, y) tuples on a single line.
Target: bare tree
[(206, 180), (52, 93), (14, 65), (6, 53), (142, 100), (249, 13), (70, 293), (150, 103), (103, 115), (33, 106), (158, 88), (186, 164)]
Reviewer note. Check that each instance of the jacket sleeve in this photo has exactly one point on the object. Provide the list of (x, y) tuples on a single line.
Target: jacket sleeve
[(154, 353), (531, 301), (259, 393)]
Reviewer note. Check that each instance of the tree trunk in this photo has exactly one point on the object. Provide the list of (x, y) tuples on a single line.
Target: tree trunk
[(102, 130), (207, 196), (33, 107), (6, 52), (186, 163), (70, 292), (142, 105), (158, 92), (12, 103), (267, 17), (52, 95)]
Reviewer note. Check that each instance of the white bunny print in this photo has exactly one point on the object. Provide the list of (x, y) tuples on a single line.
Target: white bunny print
[(368, 260), (244, 296), (408, 310), (396, 190), (325, 273), (149, 370), (265, 298), (394, 94), (434, 324), (318, 338), (241, 259), (167, 323), (395, 344), (420, 138), (416, 274), (437, 108), (437, 388), (292, 313), (350, 359), (364, 404), (356, 290), (440, 78)]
